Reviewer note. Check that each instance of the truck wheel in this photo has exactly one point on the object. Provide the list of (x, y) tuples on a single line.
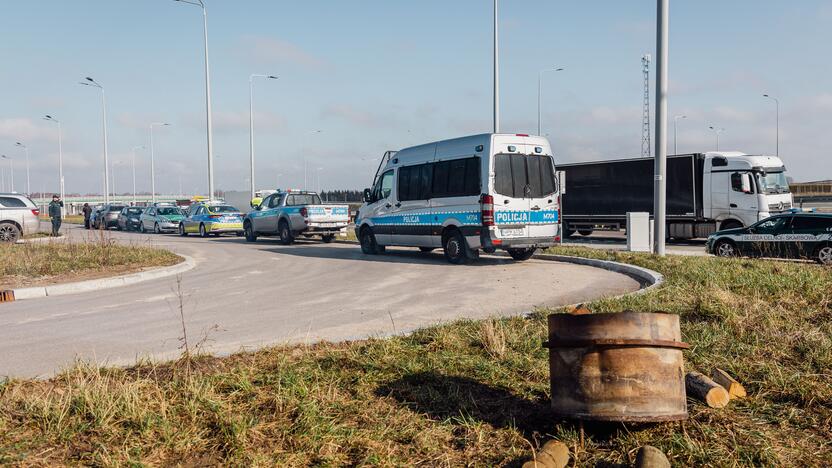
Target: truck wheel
[(328, 238), (181, 230), (585, 232), (251, 236), (426, 249), (367, 239), (202, 231), (725, 248), (285, 233), (824, 255), (9, 233), (456, 248), (521, 255)]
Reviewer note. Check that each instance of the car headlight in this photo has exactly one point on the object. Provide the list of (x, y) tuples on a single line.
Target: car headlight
[(135, 220)]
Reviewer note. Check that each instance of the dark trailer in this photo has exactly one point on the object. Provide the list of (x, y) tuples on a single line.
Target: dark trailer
[(600, 194)]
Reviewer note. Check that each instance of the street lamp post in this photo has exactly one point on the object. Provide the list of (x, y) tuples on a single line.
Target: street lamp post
[(11, 171), (209, 122), (152, 161), (675, 124), (134, 171), (28, 182), (94, 84), (496, 72), (60, 156), (660, 168), (717, 131), (251, 123), (539, 94), (777, 103)]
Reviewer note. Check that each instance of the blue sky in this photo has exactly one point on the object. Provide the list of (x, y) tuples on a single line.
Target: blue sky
[(377, 75)]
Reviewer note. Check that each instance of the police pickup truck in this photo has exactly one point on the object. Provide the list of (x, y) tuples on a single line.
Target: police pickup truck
[(795, 235), (295, 213)]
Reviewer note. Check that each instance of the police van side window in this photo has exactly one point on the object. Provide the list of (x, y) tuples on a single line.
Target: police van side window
[(386, 185), (456, 178)]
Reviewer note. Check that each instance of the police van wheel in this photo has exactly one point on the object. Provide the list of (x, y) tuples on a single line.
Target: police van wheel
[(249, 232), (824, 255), (181, 230), (202, 231), (456, 249), (285, 233), (369, 246), (327, 238), (522, 255), (725, 249)]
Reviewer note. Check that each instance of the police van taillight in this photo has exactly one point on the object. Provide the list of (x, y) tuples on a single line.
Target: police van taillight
[(304, 212), (487, 210)]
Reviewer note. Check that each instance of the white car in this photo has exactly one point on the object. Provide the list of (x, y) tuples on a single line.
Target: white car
[(18, 217), (482, 192)]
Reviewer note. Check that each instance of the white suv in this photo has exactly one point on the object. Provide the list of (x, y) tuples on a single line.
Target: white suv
[(18, 217)]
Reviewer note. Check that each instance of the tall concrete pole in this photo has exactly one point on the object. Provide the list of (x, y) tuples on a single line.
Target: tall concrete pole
[(496, 72), (660, 187)]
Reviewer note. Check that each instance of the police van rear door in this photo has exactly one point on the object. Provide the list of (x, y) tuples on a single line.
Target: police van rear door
[(511, 201), (542, 194)]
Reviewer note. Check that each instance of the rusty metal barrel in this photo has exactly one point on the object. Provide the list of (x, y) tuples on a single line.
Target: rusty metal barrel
[(624, 366)]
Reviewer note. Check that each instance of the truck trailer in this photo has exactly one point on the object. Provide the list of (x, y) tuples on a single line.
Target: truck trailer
[(706, 192)]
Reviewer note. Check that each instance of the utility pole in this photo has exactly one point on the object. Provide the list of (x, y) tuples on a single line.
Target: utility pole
[(660, 194), (496, 72), (645, 108)]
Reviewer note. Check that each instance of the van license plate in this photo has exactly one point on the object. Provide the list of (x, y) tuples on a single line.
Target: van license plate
[(511, 232)]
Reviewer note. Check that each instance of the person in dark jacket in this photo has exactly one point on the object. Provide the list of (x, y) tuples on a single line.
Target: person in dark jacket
[(87, 213), (55, 208)]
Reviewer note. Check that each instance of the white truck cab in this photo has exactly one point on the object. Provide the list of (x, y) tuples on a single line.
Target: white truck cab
[(740, 189), (482, 192)]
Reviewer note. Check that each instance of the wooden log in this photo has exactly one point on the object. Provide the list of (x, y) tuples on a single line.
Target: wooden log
[(651, 457), (554, 454), (704, 389), (735, 389)]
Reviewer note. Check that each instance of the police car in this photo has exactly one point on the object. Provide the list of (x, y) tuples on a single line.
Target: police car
[(797, 235)]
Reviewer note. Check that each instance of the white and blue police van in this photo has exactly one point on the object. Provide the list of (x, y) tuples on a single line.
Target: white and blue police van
[(483, 192)]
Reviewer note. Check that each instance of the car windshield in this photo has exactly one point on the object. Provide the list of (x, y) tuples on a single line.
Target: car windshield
[(169, 211), (222, 209), (134, 211), (773, 182)]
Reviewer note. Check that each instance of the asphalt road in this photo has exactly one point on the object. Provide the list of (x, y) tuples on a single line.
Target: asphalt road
[(243, 296)]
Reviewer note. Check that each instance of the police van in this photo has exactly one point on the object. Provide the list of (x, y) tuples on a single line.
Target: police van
[(482, 192)]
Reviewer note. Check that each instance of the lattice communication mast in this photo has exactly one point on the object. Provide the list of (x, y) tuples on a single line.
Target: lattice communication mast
[(645, 111)]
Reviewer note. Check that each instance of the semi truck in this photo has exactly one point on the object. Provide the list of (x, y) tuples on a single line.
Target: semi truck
[(706, 192)]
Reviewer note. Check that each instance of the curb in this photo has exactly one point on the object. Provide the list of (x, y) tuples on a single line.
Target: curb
[(104, 283), (649, 279)]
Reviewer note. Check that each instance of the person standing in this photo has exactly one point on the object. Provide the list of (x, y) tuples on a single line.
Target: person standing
[(55, 208), (87, 213)]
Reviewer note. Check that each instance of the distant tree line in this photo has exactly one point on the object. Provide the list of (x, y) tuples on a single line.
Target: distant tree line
[(343, 195)]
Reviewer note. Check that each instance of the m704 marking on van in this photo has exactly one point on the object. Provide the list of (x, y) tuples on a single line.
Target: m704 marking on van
[(483, 192)]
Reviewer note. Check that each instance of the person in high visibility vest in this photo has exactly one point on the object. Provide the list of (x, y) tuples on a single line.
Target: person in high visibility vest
[(256, 201)]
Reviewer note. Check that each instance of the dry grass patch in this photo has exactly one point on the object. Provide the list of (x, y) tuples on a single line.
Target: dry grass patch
[(471, 393), (49, 262)]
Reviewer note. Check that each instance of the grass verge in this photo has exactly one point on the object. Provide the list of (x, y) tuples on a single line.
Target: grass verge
[(468, 393), (49, 262)]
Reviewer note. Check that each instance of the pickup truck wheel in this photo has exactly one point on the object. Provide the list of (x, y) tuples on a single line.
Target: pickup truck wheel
[(328, 238), (456, 248), (9, 233), (824, 255), (285, 233), (522, 255), (202, 231), (369, 246), (725, 248)]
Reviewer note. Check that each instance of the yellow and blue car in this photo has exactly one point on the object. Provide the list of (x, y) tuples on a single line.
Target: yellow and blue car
[(212, 218)]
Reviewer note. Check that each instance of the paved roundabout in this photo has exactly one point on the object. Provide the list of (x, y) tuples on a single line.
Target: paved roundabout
[(244, 296)]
